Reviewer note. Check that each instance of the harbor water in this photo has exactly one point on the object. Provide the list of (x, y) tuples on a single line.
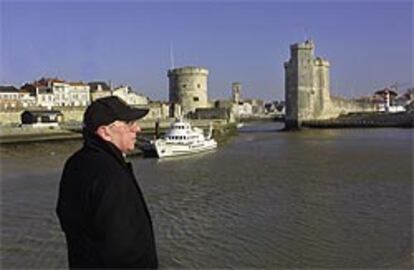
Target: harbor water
[(319, 198)]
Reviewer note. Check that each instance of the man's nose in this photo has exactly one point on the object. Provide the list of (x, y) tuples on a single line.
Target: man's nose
[(137, 128)]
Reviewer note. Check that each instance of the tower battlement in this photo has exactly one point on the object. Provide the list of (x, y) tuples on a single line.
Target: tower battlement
[(188, 70), (307, 45)]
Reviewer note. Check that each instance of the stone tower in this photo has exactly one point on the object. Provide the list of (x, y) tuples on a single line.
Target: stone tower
[(306, 85), (236, 92), (188, 87)]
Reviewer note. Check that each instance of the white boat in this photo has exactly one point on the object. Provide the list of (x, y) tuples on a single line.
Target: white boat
[(183, 139)]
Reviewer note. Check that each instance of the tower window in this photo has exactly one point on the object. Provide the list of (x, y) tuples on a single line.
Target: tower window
[(198, 85), (195, 98)]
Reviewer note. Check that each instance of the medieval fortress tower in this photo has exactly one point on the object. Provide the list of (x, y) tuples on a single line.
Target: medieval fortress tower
[(236, 92), (188, 87), (307, 89)]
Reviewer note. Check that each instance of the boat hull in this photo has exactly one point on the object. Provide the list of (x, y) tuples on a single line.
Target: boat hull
[(164, 149)]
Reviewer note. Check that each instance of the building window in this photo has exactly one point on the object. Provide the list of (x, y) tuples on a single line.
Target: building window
[(198, 85), (196, 99), (184, 85)]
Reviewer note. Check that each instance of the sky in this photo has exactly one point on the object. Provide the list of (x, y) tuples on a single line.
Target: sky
[(369, 44)]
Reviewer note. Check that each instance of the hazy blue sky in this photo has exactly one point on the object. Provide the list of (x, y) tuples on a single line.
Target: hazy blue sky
[(369, 44)]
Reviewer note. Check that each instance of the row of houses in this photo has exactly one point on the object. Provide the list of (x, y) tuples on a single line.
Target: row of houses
[(49, 93)]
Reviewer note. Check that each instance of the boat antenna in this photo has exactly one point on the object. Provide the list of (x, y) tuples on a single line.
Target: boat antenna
[(306, 34), (171, 55)]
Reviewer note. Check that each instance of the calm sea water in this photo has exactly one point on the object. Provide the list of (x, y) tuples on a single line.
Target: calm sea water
[(266, 199)]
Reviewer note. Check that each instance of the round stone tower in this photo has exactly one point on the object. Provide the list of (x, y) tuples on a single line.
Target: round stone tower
[(188, 87)]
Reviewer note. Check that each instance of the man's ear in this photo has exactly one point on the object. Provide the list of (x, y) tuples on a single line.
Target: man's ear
[(104, 133)]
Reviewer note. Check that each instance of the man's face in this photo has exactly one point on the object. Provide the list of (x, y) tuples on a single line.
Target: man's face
[(123, 135)]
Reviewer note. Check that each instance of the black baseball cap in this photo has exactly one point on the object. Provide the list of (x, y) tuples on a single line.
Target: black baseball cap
[(106, 110)]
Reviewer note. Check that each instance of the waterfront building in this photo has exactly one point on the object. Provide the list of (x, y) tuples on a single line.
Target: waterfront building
[(10, 97), (99, 90), (55, 92), (390, 101), (275, 108), (157, 111), (188, 87), (70, 94), (27, 99), (245, 110), (102, 89), (257, 105), (44, 97), (50, 118), (9, 93), (125, 93)]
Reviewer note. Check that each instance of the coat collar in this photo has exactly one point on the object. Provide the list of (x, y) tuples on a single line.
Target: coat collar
[(95, 142)]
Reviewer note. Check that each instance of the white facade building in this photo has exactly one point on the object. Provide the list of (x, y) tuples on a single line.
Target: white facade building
[(9, 94), (70, 94), (44, 97), (130, 97), (60, 93), (244, 110), (9, 97), (27, 100)]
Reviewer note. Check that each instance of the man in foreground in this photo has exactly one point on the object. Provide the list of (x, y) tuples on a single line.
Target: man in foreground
[(100, 206)]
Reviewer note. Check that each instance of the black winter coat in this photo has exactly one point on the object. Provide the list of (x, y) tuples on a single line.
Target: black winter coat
[(102, 211)]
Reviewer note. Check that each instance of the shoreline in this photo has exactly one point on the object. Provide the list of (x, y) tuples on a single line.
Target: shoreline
[(20, 135), (365, 120)]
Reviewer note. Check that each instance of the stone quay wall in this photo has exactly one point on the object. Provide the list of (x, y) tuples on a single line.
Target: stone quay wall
[(72, 114), (344, 106), (10, 117), (13, 117)]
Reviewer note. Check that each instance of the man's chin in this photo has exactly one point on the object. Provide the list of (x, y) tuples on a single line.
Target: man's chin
[(131, 149)]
